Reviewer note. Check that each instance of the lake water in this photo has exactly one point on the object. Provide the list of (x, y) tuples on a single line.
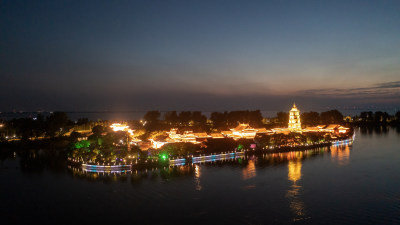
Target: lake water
[(358, 184)]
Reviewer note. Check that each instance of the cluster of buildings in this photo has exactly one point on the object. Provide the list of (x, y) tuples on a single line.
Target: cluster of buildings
[(243, 130)]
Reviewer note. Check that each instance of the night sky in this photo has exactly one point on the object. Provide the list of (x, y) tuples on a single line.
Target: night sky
[(198, 55)]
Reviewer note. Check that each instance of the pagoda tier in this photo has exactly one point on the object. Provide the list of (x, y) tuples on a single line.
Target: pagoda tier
[(294, 119)]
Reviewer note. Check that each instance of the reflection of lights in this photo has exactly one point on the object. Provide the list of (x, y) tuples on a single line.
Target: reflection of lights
[(250, 170), (217, 157), (197, 171), (294, 175), (197, 174), (341, 153)]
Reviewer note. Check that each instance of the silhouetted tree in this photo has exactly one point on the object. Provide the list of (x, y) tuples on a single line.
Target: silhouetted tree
[(171, 117), (310, 118), (152, 116), (332, 117), (184, 117), (262, 140), (56, 123), (74, 136), (198, 119), (219, 119), (82, 121), (283, 118), (98, 130), (381, 117)]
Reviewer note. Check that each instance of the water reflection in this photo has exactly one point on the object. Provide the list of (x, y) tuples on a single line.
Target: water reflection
[(293, 194), (250, 170), (166, 174), (363, 192), (378, 129), (248, 166), (294, 173), (39, 160), (197, 174), (341, 154)]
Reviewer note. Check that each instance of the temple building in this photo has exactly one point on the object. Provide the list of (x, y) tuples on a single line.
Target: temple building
[(294, 119), (122, 127), (243, 130)]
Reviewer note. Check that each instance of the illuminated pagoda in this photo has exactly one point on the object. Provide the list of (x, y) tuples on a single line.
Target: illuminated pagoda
[(294, 119)]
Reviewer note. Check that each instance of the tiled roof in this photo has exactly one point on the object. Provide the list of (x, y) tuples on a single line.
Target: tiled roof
[(217, 135)]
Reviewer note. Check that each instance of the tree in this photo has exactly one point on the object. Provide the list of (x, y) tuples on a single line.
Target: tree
[(219, 119), (171, 118), (98, 130), (310, 118), (220, 145), (75, 135), (82, 121), (152, 116), (381, 117), (40, 125), (23, 127), (56, 123), (184, 117), (283, 118), (364, 116), (262, 140), (255, 117), (175, 149), (312, 138), (198, 119), (332, 117)]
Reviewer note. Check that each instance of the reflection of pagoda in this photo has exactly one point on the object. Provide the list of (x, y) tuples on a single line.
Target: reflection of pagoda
[(294, 119)]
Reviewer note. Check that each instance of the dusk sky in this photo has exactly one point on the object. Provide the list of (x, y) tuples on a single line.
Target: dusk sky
[(198, 55)]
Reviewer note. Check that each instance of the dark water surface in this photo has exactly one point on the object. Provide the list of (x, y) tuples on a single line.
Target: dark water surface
[(358, 184)]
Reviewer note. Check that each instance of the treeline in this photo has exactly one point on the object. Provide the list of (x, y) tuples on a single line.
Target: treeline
[(24, 128), (58, 123), (197, 121), (173, 118), (376, 118), (254, 118)]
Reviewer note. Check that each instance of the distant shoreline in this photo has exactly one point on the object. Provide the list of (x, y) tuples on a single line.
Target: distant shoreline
[(138, 114)]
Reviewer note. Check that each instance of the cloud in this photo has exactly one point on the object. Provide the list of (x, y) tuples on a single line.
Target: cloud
[(379, 90), (394, 84)]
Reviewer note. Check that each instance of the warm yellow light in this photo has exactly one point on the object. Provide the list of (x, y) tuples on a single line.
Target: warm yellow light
[(122, 127), (294, 119)]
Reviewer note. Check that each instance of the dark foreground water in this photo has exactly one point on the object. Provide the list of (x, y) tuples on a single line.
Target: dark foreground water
[(358, 184)]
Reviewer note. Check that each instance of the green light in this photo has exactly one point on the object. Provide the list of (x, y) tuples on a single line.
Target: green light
[(164, 156)]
